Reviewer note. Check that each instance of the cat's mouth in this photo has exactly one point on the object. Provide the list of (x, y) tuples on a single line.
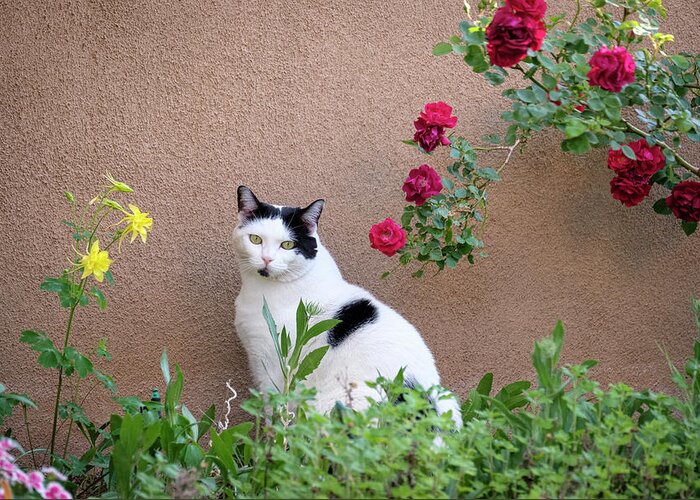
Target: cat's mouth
[(264, 272)]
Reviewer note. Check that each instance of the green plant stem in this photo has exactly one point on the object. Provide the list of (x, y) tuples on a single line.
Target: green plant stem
[(60, 369), (70, 421), (29, 434), (681, 161), (576, 14)]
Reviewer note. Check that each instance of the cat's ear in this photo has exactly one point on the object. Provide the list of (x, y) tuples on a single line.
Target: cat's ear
[(247, 202), (311, 214)]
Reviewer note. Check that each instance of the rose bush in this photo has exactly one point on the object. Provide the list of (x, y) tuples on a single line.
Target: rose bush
[(606, 81)]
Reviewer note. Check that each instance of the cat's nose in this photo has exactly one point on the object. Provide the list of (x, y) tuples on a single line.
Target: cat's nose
[(267, 261)]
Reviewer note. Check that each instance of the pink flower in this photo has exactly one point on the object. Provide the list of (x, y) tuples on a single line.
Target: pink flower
[(35, 481), (7, 444), (611, 69), (422, 183), (7, 466), (509, 36), (55, 490), (387, 237), (53, 471)]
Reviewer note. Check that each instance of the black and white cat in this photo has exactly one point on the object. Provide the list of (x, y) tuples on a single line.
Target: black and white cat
[(282, 259)]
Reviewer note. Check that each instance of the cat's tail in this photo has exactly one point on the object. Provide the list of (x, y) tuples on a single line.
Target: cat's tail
[(444, 401)]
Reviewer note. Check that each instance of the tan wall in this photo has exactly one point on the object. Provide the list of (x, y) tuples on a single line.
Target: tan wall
[(301, 100)]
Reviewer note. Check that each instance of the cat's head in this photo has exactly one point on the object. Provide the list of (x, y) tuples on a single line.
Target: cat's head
[(275, 242)]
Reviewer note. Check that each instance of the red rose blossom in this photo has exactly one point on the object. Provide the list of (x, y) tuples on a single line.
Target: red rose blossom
[(439, 113), (431, 124), (532, 8), (684, 201), (611, 69), (429, 136), (650, 159), (510, 35), (629, 192), (422, 183), (387, 237)]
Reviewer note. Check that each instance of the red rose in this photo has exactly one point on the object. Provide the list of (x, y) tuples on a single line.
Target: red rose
[(387, 237), (650, 159), (429, 136), (611, 69), (438, 113), (422, 183), (532, 8), (510, 35), (629, 192), (684, 201), (431, 124)]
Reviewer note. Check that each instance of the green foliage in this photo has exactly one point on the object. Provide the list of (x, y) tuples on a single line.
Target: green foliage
[(297, 364), (448, 227), (9, 400)]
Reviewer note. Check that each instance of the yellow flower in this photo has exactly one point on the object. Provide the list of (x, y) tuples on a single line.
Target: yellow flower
[(139, 223), (96, 262)]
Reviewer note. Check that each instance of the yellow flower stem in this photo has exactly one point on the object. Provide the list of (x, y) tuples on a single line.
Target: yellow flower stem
[(60, 369), (70, 421)]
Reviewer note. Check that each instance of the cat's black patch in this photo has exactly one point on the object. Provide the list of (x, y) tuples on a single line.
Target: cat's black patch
[(305, 243), (263, 272), (409, 383), (263, 211), (352, 315)]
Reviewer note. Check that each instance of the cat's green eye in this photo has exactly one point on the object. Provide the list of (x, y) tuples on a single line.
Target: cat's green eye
[(255, 239), (288, 245)]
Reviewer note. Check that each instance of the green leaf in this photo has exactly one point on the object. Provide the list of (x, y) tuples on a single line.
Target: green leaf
[(629, 152), (272, 327), (575, 128), (99, 296), (106, 380), (49, 359), (320, 327), (689, 227), (494, 77), (83, 366), (101, 350), (485, 384), (526, 95), (109, 277), (660, 207), (311, 362), (284, 342), (302, 320), (165, 366), (206, 421), (442, 48), (488, 173), (578, 145)]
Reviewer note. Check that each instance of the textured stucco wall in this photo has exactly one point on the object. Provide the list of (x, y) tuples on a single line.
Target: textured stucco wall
[(301, 100)]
